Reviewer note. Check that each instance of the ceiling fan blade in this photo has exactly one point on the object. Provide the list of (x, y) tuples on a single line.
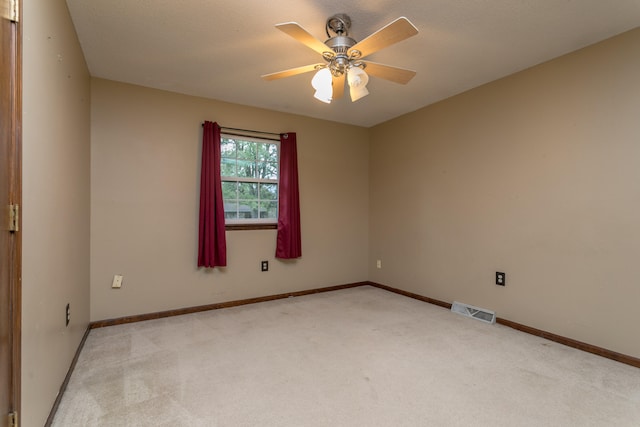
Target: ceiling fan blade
[(303, 36), (392, 33), (290, 72), (387, 72), (338, 86)]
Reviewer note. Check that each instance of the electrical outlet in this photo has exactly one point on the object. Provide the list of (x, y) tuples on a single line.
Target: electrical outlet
[(501, 278), (117, 281), (67, 315), (379, 263), (264, 265)]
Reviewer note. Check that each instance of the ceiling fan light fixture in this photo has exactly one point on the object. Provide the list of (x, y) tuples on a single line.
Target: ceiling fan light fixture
[(323, 84), (357, 93), (357, 80)]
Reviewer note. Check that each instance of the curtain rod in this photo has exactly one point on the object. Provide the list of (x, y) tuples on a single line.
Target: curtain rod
[(248, 130)]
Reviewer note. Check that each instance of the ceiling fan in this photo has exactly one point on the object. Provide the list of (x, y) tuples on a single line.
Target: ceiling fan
[(343, 57)]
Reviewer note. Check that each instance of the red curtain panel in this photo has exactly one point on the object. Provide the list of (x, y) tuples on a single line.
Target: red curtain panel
[(212, 244), (289, 241)]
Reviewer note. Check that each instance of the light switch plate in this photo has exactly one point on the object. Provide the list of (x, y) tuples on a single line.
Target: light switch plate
[(117, 281)]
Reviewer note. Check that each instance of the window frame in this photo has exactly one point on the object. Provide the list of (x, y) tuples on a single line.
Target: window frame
[(251, 223)]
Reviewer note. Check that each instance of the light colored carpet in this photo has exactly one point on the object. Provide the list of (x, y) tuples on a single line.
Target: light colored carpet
[(356, 357)]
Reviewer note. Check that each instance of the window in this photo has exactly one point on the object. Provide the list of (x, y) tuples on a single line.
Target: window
[(249, 173)]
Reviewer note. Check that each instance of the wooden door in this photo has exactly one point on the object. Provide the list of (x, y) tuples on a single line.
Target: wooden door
[(10, 200)]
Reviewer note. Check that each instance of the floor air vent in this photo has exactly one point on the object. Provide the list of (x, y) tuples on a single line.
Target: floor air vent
[(475, 312)]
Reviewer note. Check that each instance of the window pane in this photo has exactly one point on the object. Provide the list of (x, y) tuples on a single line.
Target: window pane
[(229, 190), (246, 169), (248, 190), (231, 209), (268, 170), (273, 153), (248, 209), (268, 191), (246, 150), (268, 152), (269, 210), (228, 167), (228, 148)]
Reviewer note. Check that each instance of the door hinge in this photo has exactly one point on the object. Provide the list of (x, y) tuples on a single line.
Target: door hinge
[(14, 217), (13, 419)]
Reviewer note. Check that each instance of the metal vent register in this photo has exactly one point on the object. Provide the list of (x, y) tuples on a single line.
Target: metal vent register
[(478, 313)]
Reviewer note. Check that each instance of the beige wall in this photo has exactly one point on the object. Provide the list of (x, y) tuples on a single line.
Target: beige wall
[(535, 175), (56, 203), (145, 163)]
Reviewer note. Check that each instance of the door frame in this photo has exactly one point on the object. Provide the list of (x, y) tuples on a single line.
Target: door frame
[(13, 45)]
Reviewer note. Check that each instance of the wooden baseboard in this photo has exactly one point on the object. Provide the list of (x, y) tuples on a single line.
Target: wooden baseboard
[(63, 387), (216, 306), (589, 348), (609, 354), (411, 295)]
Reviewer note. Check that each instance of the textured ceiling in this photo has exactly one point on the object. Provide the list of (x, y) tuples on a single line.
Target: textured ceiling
[(219, 49)]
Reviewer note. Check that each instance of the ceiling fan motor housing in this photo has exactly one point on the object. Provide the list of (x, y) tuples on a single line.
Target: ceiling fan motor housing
[(340, 44)]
